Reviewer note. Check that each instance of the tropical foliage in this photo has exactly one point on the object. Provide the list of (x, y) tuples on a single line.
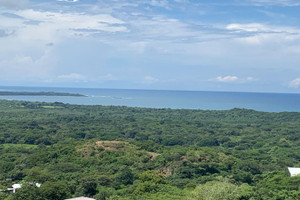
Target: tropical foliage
[(111, 152)]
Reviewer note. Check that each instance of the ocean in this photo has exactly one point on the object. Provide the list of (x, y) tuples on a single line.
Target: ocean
[(204, 100)]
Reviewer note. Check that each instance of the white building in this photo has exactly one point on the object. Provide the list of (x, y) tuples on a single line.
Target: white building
[(294, 171), (17, 186), (14, 188)]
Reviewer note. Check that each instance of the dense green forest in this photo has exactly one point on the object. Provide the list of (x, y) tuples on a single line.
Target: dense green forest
[(114, 152)]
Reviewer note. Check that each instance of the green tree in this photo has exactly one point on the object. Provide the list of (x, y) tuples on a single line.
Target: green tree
[(221, 190), (278, 185), (27, 192), (87, 187), (54, 191), (104, 193), (125, 177)]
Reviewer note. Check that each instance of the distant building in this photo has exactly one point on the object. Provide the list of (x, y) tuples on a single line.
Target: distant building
[(14, 188), (17, 186), (81, 198), (294, 171)]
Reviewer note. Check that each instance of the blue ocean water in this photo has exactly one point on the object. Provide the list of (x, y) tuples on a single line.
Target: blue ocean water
[(270, 102)]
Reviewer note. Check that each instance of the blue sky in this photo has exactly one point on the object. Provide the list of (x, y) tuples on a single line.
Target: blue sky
[(215, 45)]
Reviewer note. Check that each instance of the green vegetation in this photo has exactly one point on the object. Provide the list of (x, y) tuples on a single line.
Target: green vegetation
[(24, 146), (114, 152)]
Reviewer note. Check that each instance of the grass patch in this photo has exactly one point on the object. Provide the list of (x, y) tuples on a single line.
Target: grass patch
[(52, 107)]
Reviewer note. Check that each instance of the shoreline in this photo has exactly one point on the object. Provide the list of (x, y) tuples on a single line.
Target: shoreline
[(16, 93)]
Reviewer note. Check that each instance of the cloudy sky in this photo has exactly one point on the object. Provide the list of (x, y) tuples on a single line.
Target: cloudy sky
[(215, 45)]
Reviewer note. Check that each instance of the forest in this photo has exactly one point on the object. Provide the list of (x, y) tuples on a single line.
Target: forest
[(118, 152)]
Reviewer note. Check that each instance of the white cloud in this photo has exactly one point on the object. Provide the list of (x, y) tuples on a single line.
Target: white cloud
[(72, 77), (232, 79), (55, 25), (295, 83), (24, 67), (253, 27), (258, 28), (286, 40), (144, 31), (227, 79), (150, 33), (23, 44)]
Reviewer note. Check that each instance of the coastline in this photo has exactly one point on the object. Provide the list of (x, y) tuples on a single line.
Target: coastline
[(161, 99), (16, 93)]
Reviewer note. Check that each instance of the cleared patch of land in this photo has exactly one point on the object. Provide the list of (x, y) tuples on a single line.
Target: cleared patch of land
[(111, 145), (154, 155)]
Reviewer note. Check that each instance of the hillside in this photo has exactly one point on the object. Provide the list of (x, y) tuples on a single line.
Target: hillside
[(112, 152)]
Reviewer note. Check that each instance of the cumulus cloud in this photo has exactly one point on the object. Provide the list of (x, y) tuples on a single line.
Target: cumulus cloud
[(149, 32), (142, 29), (295, 83), (231, 79), (24, 67), (72, 77), (31, 32), (227, 79), (44, 26)]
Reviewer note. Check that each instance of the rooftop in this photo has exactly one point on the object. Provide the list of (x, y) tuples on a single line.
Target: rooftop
[(294, 171)]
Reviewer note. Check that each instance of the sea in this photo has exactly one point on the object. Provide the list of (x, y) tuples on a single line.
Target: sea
[(204, 100)]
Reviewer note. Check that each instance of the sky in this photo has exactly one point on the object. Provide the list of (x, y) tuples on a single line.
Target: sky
[(206, 45)]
